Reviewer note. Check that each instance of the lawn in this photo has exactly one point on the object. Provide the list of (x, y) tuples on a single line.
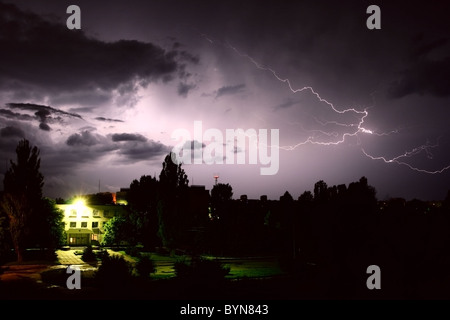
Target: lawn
[(239, 267), (253, 269)]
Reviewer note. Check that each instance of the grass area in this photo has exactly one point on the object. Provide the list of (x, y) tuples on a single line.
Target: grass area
[(160, 257), (239, 268), (254, 270)]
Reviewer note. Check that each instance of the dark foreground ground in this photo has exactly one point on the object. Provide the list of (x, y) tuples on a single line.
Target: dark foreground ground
[(250, 278), (38, 282)]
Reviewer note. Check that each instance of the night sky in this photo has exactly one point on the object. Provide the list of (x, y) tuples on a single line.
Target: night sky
[(102, 102)]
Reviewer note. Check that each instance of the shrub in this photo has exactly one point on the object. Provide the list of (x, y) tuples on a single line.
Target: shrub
[(101, 253), (114, 272), (182, 268), (88, 254), (145, 266), (133, 251)]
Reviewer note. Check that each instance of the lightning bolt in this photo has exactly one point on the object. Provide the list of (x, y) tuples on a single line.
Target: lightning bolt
[(358, 127), (415, 151)]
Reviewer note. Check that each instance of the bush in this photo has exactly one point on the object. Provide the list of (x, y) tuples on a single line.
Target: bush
[(101, 253), (182, 268), (114, 272), (145, 266), (133, 251), (88, 254)]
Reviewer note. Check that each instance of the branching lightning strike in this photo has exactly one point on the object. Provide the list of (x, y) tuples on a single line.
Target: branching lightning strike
[(358, 126)]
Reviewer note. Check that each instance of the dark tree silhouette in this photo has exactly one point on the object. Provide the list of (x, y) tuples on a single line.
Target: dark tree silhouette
[(221, 193), (173, 202), (143, 200), (320, 191), (33, 220), (172, 176), (22, 196), (52, 233), (306, 197), (5, 238)]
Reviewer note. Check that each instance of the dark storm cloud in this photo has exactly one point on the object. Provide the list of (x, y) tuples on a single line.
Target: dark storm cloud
[(14, 115), (85, 138), (62, 160), (10, 131), (184, 88), (41, 111), (108, 119), (425, 77), (137, 151), (51, 59), (288, 103), (42, 114), (229, 90), (44, 126), (118, 137), (188, 57)]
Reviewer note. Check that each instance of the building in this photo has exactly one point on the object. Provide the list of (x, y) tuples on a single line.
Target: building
[(120, 197), (84, 224)]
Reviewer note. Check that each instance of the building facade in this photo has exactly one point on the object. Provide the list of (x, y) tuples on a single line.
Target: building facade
[(84, 224)]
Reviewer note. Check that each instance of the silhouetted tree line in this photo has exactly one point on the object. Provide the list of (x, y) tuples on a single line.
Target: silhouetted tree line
[(162, 213), (337, 231)]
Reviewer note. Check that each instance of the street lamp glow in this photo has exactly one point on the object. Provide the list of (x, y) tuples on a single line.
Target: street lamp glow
[(79, 206), (79, 203)]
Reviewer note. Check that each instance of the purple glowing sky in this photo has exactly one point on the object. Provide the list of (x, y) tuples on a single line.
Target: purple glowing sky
[(102, 103)]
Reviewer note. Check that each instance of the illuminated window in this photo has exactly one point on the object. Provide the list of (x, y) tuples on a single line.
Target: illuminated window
[(72, 240), (94, 237), (73, 224), (95, 224), (84, 224)]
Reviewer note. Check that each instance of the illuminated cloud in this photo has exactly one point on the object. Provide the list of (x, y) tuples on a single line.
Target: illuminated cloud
[(85, 138)]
